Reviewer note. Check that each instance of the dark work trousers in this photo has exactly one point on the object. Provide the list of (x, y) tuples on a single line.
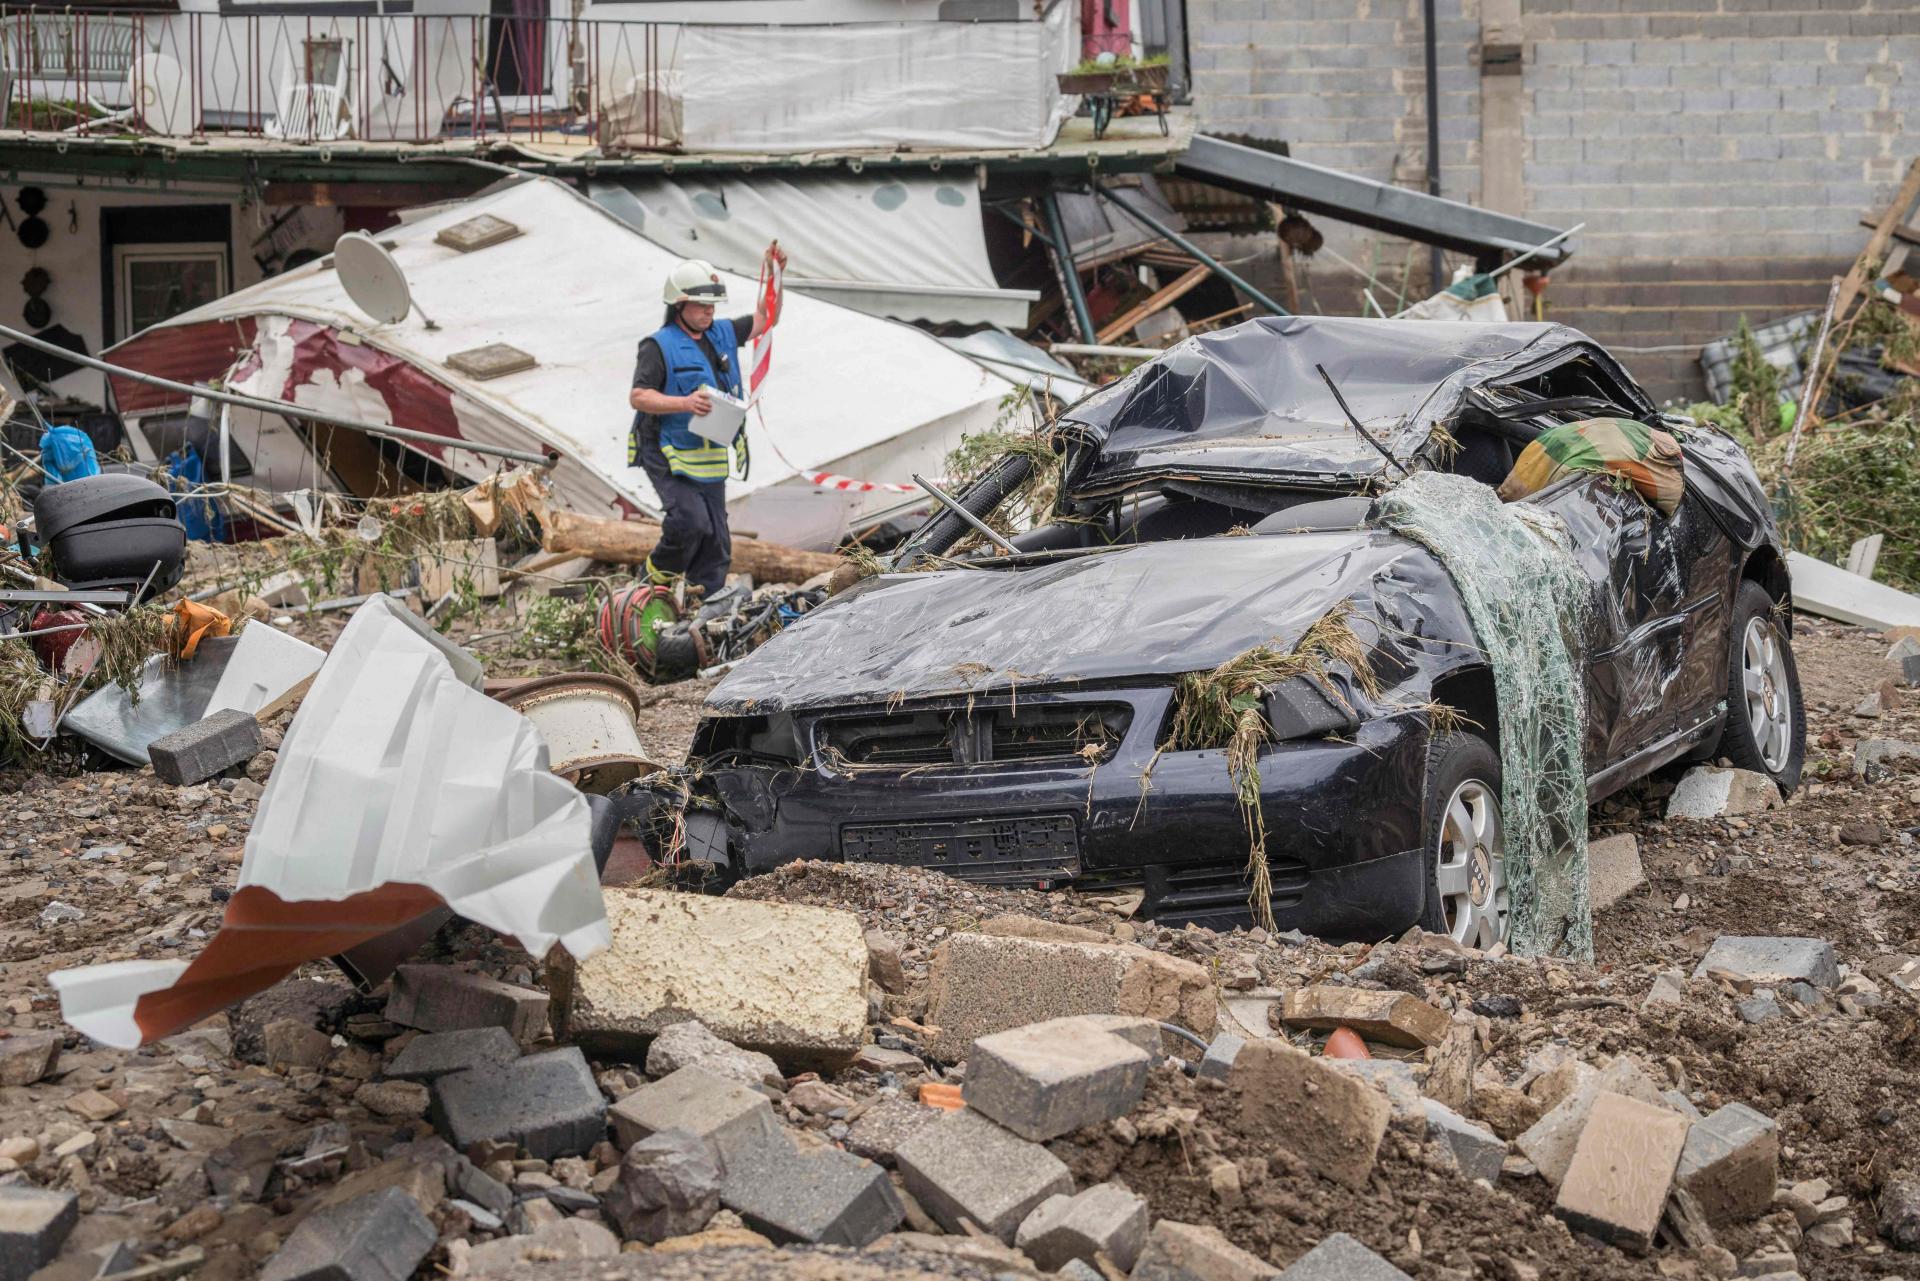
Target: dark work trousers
[(694, 538)]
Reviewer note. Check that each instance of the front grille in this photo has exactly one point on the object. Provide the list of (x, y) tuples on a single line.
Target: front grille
[(1040, 732), (1020, 849)]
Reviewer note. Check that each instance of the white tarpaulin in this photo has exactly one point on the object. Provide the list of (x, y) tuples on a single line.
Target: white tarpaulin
[(907, 246), (400, 789), (946, 85)]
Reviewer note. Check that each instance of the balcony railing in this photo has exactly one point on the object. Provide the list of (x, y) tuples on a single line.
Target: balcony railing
[(319, 78)]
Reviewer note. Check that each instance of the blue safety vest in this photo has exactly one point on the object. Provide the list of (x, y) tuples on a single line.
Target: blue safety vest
[(689, 454)]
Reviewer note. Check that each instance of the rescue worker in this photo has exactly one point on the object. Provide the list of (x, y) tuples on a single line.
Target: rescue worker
[(692, 349)]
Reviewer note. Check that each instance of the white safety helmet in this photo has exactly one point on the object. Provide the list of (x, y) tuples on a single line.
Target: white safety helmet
[(693, 281)]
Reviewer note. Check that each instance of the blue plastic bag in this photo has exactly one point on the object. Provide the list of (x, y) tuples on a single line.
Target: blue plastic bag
[(67, 454), (201, 517)]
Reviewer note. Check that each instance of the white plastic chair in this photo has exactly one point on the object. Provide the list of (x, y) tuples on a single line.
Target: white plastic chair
[(314, 112)]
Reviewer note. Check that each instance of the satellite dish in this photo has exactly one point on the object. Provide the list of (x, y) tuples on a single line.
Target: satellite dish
[(157, 90), (372, 278)]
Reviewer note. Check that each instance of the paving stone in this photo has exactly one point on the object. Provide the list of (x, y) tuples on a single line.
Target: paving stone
[(438, 1053), (26, 1057), (1217, 1063), (1342, 1258), (887, 1123), (34, 1222), (437, 998), (547, 1103), (1769, 961), (382, 1236), (1708, 791), (289, 1043), (1391, 1018), (1105, 1219), (980, 984), (878, 1058), (1617, 1184), (963, 1166), (1613, 869), (1399, 1081), (1329, 1118), (786, 979), (1730, 1163), (397, 1099), (1049, 1079), (197, 752), (692, 1044), (1478, 1152), (555, 1240), (1550, 1142), (1196, 1252), (669, 1186), (424, 1182), (725, 1113), (817, 1195)]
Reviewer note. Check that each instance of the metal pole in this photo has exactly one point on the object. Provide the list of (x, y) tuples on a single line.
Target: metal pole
[(1159, 228), (281, 406), (1438, 266), (1069, 274)]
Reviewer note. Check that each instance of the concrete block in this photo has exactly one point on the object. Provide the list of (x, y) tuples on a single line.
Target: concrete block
[(1478, 1152), (693, 1044), (1731, 1163), (1617, 1184), (1391, 1018), (1105, 1219), (1327, 1117), (197, 752), (547, 1103), (1197, 1252), (34, 1222), (818, 1195), (438, 1053), (1144, 1033), (1399, 1081), (878, 1132), (1707, 791), (382, 1236), (979, 985), (1613, 869), (724, 1113), (963, 1166), (669, 1186), (1217, 1063), (782, 978), (438, 998), (1341, 1258), (1048, 1079), (1550, 1142), (26, 1057), (1770, 961)]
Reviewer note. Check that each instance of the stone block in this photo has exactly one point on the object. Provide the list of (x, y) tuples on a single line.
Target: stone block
[(26, 1057), (693, 1044), (1391, 1018), (1048, 1079), (1873, 757), (547, 1103), (1105, 1219), (382, 1236), (1341, 1258), (1217, 1063), (1613, 869), (1731, 1163), (1196, 1252), (519, 1256), (197, 752), (34, 1222), (1550, 1142), (438, 1053), (289, 1043), (1399, 1081), (1478, 1152), (725, 1113), (669, 1186), (782, 978), (817, 1195), (1900, 1211), (964, 1167), (1769, 961), (1622, 1169), (887, 1123), (981, 984), (1708, 791), (438, 998), (1329, 1118)]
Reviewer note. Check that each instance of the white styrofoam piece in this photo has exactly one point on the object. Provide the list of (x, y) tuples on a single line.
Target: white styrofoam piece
[(265, 665), (1832, 592)]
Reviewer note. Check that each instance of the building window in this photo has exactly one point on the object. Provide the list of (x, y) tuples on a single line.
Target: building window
[(154, 283)]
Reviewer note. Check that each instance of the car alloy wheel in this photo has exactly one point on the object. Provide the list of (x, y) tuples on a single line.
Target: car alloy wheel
[(1471, 866), (1763, 678)]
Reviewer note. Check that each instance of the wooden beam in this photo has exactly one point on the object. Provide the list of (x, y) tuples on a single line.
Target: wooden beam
[(1895, 216), (1905, 233), (1160, 298)]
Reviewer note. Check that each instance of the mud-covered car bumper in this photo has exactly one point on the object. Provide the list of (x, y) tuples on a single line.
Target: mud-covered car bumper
[(1342, 817)]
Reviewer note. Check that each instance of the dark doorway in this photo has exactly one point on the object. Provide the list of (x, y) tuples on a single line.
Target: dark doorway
[(518, 36), (157, 261)]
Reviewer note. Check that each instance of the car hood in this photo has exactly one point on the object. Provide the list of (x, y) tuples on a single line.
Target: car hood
[(1152, 611)]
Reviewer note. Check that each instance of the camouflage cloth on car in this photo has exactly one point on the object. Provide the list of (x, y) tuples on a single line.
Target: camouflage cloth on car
[(1645, 457)]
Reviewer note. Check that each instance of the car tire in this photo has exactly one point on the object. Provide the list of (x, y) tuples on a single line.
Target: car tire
[(1466, 887), (1763, 692)]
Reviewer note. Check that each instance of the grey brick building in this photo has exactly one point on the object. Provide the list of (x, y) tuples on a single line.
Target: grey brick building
[(1721, 152)]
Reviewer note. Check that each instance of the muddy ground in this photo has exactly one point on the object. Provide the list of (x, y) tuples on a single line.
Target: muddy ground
[(106, 864)]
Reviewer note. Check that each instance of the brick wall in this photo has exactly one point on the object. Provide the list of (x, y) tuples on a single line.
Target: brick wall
[(1721, 152)]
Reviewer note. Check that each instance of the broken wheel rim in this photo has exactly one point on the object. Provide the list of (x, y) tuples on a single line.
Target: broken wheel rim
[(1471, 866), (1763, 677)]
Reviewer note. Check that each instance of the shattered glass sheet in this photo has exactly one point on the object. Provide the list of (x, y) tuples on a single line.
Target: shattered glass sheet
[(1527, 599)]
